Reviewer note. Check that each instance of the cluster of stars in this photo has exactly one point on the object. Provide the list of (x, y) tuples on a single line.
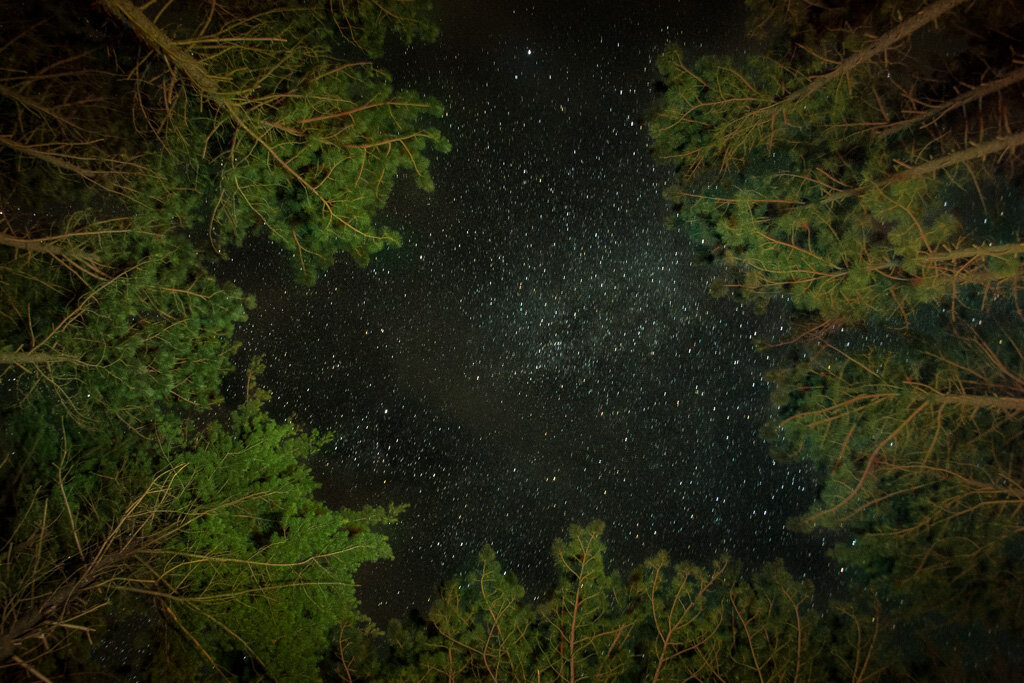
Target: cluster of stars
[(541, 351)]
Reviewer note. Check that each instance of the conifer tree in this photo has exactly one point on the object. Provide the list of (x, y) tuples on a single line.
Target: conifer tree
[(685, 615), (799, 164), (667, 623), (920, 458), (484, 632), (214, 530), (297, 141), (126, 494), (108, 317), (587, 626)]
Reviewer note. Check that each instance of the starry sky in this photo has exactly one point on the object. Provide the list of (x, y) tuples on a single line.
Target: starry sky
[(542, 350)]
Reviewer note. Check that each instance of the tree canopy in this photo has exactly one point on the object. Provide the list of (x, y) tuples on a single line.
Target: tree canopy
[(137, 145), (826, 165), (662, 622), (852, 167), (861, 162)]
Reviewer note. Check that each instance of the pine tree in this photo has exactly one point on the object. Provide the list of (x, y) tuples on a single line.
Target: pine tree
[(110, 318), (128, 497), (802, 167), (296, 140), (587, 625), (919, 454), (484, 631), (214, 530), (667, 623)]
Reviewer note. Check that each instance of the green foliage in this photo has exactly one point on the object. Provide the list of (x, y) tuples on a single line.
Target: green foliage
[(586, 624), (919, 454), (779, 637), (128, 499), (348, 134), (300, 135), (367, 24), (223, 537), (786, 167), (685, 614), (269, 567), (483, 629), (831, 168), (114, 319), (667, 623), (364, 25)]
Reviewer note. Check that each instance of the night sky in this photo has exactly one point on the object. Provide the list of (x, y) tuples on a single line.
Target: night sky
[(542, 350)]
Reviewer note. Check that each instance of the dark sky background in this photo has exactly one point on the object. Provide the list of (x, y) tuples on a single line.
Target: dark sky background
[(542, 351)]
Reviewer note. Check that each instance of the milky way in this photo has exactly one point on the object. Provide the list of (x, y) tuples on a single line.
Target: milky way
[(541, 351)]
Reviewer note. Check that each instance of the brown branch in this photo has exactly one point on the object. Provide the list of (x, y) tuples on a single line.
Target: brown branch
[(972, 95), (979, 151), (23, 358), (209, 86), (884, 43), (355, 110), (56, 159)]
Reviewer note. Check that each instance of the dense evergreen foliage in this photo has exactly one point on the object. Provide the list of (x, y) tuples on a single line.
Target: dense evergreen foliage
[(865, 164), (827, 164), (862, 162), (663, 622), (147, 531)]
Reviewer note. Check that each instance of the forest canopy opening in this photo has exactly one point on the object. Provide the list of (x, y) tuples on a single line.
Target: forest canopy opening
[(857, 166)]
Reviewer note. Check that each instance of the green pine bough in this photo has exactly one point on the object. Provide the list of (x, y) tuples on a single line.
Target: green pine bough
[(873, 183), (825, 170), (137, 146), (661, 622), (304, 145)]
